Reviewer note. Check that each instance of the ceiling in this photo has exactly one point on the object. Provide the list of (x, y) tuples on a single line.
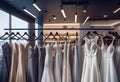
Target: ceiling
[(96, 9)]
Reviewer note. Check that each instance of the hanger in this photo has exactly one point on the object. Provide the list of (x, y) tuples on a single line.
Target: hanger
[(67, 36), (57, 34), (108, 38), (40, 36), (3, 36), (33, 35), (96, 33), (76, 40), (23, 36), (19, 35), (115, 34), (51, 34), (88, 33), (12, 36)]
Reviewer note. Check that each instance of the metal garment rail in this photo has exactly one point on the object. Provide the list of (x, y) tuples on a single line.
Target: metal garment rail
[(62, 29)]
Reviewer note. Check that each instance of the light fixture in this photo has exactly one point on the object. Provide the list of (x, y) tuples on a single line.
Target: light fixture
[(76, 18), (49, 20), (85, 20), (54, 17), (63, 12), (84, 11), (36, 6), (24, 9), (116, 10), (105, 16), (65, 20), (76, 14)]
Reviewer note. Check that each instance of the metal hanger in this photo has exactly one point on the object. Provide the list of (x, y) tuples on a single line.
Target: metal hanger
[(57, 34), (51, 34), (12, 36), (23, 36), (3, 36)]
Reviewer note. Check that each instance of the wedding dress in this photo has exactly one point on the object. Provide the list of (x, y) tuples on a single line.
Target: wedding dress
[(48, 71), (108, 70), (90, 72)]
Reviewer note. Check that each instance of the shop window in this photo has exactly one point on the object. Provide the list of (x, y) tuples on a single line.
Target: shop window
[(4, 23), (18, 23)]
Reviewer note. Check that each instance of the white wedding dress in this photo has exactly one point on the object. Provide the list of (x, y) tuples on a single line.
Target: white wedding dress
[(64, 66), (48, 68), (69, 74), (117, 60), (90, 72), (58, 63), (108, 70), (66, 70)]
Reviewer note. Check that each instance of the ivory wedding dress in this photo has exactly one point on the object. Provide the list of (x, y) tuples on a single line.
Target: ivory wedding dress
[(48, 71), (90, 72), (58, 63), (108, 71)]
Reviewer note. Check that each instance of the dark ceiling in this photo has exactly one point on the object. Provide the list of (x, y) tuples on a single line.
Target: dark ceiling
[(96, 9)]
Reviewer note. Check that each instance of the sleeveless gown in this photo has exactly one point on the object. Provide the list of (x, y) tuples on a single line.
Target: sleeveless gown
[(58, 63), (108, 70), (48, 71), (90, 72)]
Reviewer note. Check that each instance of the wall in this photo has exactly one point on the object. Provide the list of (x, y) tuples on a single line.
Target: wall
[(101, 24), (62, 25)]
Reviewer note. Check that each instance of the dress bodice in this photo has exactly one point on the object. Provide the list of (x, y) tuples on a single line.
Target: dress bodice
[(107, 50), (91, 46)]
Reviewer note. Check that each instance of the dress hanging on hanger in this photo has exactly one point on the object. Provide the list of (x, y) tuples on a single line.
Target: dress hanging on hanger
[(41, 62), (76, 65), (32, 71), (14, 63), (90, 71), (6, 62), (108, 70), (58, 62), (48, 68), (64, 67), (69, 74), (117, 59), (21, 69)]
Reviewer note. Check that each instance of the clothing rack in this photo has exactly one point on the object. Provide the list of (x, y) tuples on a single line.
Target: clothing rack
[(92, 28), (18, 36), (41, 36)]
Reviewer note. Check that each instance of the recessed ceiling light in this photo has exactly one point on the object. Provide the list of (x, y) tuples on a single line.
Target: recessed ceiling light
[(54, 17), (84, 11), (24, 9), (116, 10), (105, 16)]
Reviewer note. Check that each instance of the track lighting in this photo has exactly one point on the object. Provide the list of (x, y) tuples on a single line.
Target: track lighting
[(85, 20), (76, 18), (63, 12), (105, 16), (36, 6), (49, 20), (24, 9), (64, 19), (54, 17), (116, 10)]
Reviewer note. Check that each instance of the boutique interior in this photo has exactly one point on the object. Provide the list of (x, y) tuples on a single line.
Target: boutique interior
[(59, 40)]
